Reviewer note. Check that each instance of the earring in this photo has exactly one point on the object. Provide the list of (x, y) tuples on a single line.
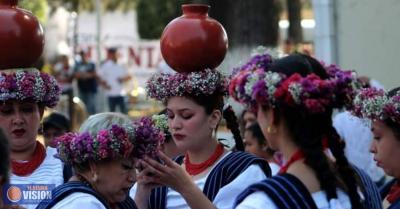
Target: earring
[(271, 130), (95, 178)]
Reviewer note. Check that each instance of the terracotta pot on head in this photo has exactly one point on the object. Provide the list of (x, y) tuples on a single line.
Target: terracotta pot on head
[(194, 41), (21, 36)]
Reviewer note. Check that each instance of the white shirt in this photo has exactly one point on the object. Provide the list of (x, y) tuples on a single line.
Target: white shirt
[(111, 72), (79, 200), (274, 168), (358, 137), (49, 172), (225, 197), (260, 200)]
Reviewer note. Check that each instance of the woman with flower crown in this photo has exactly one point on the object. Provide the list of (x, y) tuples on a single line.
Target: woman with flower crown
[(383, 109), (294, 98), (25, 93), (208, 175), (102, 158)]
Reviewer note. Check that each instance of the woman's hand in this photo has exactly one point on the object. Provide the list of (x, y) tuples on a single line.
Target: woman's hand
[(173, 175), (144, 186), (170, 173)]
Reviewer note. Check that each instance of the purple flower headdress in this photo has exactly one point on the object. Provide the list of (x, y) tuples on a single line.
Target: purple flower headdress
[(205, 82), (254, 84), (375, 104), (149, 135), (29, 84), (80, 148)]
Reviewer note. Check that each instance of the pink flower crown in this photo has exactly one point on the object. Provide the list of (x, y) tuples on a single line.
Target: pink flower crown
[(29, 85), (149, 135), (253, 84), (205, 82), (110, 143), (141, 138), (375, 104)]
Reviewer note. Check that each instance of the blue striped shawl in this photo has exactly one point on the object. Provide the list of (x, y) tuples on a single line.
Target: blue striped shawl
[(384, 192), (287, 191), (62, 191), (222, 174)]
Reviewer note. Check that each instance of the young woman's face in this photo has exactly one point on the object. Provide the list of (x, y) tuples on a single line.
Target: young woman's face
[(20, 122), (115, 179), (189, 124), (252, 145), (386, 148)]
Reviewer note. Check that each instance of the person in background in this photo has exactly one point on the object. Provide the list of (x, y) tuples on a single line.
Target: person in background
[(255, 143), (113, 76), (247, 117), (54, 125), (383, 109), (63, 72), (294, 98), (86, 75)]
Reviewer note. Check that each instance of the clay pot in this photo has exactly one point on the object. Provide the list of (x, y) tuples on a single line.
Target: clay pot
[(194, 41), (21, 36)]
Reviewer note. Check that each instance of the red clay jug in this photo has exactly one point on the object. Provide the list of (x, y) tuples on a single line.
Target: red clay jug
[(194, 41), (21, 36)]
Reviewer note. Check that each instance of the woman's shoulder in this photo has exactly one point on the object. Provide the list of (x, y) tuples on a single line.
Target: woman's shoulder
[(79, 200)]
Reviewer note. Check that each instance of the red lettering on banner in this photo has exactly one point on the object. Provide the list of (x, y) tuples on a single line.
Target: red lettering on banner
[(135, 55), (150, 63)]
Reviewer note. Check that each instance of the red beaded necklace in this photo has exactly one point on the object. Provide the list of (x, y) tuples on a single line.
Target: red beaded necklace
[(394, 193), (27, 168), (298, 155), (194, 169)]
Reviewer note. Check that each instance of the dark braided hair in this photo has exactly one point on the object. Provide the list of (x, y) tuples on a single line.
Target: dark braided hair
[(233, 125), (310, 130)]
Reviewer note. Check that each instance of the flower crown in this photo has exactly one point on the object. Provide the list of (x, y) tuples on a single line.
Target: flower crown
[(149, 135), (253, 84), (375, 104), (29, 84), (110, 143), (206, 82)]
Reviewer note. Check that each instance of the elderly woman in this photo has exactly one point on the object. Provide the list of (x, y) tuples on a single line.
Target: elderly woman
[(101, 155), (384, 111)]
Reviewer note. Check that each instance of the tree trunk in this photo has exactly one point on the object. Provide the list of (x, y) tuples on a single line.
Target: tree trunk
[(295, 32), (248, 23)]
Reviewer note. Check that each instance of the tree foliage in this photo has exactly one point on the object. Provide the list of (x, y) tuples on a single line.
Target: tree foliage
[(89, 5), (38, 7), (154, 15)]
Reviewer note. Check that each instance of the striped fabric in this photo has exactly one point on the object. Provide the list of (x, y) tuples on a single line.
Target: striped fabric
[(286, 191), (384, 192), (222, 174), (49, 172), (66, 189), (371, 192)]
